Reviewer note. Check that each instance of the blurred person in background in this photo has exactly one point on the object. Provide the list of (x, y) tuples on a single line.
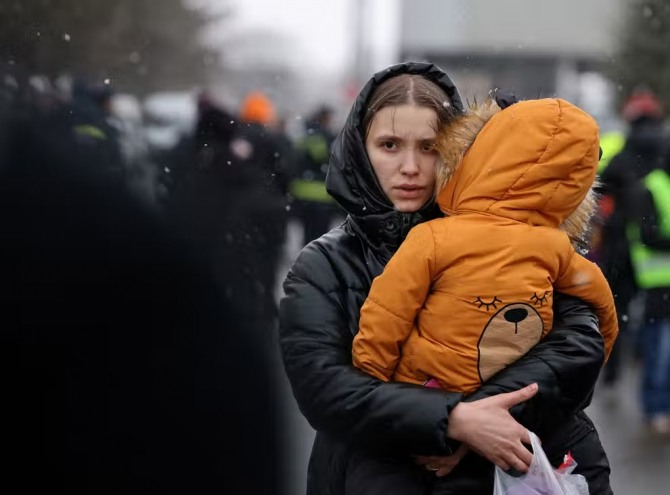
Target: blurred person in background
[(88, 117), (355, 414), (122, 369), (229, 198), (258, 145), (640, 154), (288, 153), (312, 205), (611, 144), (201, 176), (649, 234)]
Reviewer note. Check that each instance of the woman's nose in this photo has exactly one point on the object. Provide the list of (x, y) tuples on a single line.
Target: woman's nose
[(410, 162)]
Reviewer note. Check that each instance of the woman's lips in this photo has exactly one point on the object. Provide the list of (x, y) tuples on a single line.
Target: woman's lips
[(409, 192)]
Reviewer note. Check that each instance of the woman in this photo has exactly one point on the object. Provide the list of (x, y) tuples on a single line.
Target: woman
[(382, 172)]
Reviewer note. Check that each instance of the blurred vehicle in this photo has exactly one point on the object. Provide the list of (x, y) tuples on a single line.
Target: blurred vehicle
[(126, 116), (169, 123), (141, 171), (168, 117)]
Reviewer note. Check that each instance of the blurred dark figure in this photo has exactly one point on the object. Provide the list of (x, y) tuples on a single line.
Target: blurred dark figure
[(287, 152), (87, 119), (649, 233), (312, 205), (258, 146), (230, 199), (122, 369), (202, 173), (640, 154)]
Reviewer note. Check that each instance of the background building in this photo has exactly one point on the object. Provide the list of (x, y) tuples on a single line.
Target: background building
[(525, 46)]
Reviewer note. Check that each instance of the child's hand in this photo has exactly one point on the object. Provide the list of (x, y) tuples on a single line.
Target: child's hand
[(443, 465)]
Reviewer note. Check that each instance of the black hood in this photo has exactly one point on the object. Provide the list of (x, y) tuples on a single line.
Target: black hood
[(351, 179)]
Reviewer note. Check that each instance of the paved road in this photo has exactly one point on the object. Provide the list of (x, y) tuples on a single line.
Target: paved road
[(640, 462)]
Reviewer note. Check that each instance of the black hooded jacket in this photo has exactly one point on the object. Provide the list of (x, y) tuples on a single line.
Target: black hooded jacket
[(324, 291)]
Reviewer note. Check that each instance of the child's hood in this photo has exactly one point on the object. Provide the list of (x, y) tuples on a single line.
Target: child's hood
[(533, 162)]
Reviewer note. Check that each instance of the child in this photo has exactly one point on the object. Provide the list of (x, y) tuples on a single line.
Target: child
[(468, 294)]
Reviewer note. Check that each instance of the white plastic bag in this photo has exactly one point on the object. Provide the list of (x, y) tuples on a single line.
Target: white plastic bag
[(541, 478)]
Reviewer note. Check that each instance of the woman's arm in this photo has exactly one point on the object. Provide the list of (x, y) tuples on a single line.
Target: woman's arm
[(336, 397), (565, 365)]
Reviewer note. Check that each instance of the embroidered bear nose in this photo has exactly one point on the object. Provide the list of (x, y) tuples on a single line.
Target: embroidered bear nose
[(516, 315)]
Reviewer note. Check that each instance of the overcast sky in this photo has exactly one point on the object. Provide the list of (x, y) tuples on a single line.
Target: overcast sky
[(323, 29)]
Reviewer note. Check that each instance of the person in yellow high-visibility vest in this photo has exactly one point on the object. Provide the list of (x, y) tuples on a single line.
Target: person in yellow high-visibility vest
[(649, 234), (312, 204), (641, 151), (611, 144)]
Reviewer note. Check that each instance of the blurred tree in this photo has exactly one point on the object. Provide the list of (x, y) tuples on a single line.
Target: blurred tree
[(140, 45), (644, 53)]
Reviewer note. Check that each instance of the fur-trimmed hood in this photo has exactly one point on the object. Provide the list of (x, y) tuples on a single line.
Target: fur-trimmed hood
[(534, 162)]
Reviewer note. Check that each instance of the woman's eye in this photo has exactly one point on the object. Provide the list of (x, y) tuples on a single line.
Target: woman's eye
[(428, 147), (389, 145)]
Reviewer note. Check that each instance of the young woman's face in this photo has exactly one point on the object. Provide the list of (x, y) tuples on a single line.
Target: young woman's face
[(400, 145)]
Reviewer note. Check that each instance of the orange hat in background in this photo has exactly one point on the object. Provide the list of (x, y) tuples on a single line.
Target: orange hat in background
[(257, 108), (641, 104)]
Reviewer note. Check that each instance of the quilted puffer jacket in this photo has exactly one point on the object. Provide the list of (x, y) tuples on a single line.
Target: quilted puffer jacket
[(468, 308)]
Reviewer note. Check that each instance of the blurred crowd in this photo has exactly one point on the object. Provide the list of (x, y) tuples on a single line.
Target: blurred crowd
[(235, 181), (141, 250), (127, 366), (226, 179)]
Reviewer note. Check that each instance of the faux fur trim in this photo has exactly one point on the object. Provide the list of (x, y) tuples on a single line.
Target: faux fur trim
[(579, 225), (454, 140)]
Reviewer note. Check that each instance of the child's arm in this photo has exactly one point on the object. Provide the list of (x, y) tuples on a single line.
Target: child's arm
[(396, 296), (583, 279)]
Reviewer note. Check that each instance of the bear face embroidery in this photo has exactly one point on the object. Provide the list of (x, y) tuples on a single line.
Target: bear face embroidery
[(511, 332)]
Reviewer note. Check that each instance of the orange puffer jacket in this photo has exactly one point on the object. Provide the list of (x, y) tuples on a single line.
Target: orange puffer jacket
[(468, 294)]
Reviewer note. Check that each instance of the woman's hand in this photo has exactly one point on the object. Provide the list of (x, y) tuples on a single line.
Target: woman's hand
[(442, 465), (487, 427)]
